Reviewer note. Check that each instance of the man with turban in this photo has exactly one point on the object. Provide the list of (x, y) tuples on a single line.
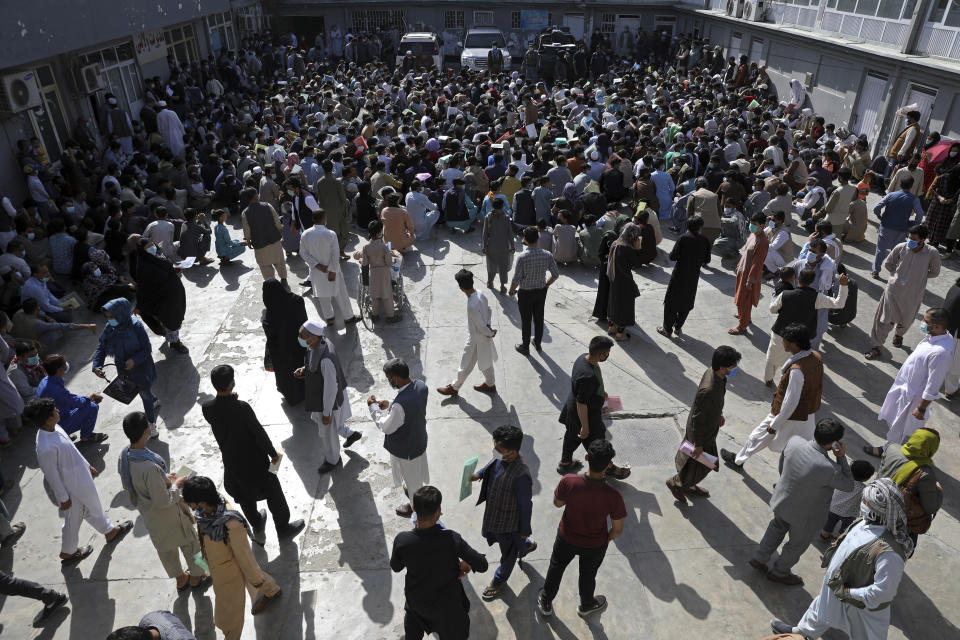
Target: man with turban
[(864, 570)]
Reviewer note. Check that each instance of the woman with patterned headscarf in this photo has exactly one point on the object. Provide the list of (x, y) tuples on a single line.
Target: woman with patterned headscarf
[(864, 568)]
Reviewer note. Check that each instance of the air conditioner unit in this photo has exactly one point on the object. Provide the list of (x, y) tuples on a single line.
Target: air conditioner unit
[(91, 79), (19, 92), (756, 10)]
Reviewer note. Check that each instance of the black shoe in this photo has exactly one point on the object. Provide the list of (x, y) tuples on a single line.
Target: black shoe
[(599, 604), (536, 345), (327, 467), (730, 458), (521, 349), (545, 606), (50, 607), (179, 347), (292, 529), (779, 626), (259, 534), (351, 439), (305, 283)]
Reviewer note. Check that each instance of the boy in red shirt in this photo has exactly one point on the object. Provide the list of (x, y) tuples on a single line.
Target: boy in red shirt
[(587, 500)]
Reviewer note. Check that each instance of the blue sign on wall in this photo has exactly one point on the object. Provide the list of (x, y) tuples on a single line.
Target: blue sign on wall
[(534, 19)]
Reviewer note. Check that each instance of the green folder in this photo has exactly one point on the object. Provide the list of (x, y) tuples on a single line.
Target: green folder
[(466, 487)]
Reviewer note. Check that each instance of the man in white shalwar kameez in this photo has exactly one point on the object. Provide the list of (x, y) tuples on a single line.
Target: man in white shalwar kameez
[(918, 382), (70, 479), (170, 128), (320, 249), (326, 397), (479, 350), (793, 411), (882, 533), (404, 426)]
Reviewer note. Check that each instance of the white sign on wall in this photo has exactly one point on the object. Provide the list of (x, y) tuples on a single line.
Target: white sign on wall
[(150, 46)]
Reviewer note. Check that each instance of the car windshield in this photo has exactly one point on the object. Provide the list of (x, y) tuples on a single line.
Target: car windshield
[(417, 48), (482, 40)]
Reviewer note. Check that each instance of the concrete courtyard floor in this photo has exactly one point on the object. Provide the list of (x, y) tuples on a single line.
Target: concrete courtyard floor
[(675, 572)]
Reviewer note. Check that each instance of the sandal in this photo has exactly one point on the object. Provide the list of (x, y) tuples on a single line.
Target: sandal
[(619, 473), (663, 332), (737, 331), (186, 583), (122, 529), (677, 493), (568, 467), (202, 582), (490, 593), (77, 555), (94, 438), (621, 336), (898, 341), (698, 491), (873, 354)]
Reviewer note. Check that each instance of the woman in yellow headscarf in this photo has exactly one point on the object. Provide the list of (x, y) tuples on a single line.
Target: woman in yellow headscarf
[(915, 458)]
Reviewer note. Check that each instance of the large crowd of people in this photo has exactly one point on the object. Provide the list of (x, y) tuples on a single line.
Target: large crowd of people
[(591, 157)]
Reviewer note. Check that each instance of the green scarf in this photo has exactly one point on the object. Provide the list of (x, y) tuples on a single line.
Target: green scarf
[(919, 450)]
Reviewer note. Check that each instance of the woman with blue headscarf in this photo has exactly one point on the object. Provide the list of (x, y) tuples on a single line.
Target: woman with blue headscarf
[(126, 340)]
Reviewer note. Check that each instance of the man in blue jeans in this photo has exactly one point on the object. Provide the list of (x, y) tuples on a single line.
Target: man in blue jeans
[(895, 220), (587, 501)]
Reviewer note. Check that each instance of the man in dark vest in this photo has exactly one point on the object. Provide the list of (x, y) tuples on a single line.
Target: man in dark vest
[(326, 397), (507, 488), (495, 60), (795, 402), (261, 230), (798, 305), (524, 212), (404, 426)]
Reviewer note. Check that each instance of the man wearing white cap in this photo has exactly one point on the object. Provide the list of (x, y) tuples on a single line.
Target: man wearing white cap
[(326, 391), (170, 127)]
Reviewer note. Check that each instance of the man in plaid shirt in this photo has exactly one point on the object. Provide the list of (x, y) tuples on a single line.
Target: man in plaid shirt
[(528, 276)]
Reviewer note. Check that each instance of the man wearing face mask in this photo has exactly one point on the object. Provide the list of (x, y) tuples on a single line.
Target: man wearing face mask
[(906, 406), (77, 413), (795, 401), (703, 424), (507, 489), (326, 391), (911, 264), (897, 206), (815, 256), (750, 273)]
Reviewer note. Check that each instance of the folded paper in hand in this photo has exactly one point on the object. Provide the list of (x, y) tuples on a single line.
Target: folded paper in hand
[(466, 486), (704, 458), (613, 403)]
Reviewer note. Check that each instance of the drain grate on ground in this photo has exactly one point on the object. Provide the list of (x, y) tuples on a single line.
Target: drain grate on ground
[(645, 442)]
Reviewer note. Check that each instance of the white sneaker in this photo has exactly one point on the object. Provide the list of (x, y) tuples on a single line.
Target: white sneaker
[(154, 432)]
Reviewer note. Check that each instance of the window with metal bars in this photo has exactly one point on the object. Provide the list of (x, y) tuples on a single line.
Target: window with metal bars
[(483, 18), (608, 23), (374, 19), (453, 19)]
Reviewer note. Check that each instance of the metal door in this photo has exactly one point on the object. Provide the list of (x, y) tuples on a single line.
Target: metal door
[(575, 22), (868, 107)]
